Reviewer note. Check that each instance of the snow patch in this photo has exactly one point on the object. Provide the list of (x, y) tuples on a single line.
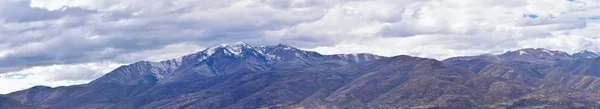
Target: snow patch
[(212, 50), (233, 49), (272, 57), (548, 52), (522, 52), (287, 48)]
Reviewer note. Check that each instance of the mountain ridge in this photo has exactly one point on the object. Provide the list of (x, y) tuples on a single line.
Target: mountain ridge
[(281, 76)]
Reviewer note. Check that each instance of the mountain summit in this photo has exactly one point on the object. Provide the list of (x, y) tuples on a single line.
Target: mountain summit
[(537, 52), (226, 59), (586, 54)]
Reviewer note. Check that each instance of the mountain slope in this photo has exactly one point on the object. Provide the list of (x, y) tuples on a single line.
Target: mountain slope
[(336, 87), (240, 76), (204, 69), (534, 74)]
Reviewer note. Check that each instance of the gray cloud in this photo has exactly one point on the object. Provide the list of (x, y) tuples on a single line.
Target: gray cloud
[(48, 32), (36, 36), (21, 12)]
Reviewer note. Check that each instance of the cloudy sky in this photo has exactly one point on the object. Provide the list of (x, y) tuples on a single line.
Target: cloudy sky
[(65, 42)]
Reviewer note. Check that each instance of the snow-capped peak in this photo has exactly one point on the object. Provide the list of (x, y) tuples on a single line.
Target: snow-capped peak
[(241, 44), (285, 46), (538, 52), (238, 48), (235, 48)]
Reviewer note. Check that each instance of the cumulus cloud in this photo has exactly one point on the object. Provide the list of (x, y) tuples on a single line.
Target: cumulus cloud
[(42, 33), (445, 28)]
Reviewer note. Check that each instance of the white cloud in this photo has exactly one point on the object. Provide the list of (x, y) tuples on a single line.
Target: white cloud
[(54, 75), (75, 32), (445, 28)]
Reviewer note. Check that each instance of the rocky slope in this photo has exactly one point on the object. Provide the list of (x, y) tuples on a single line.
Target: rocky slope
[(537, 78), (9, 103)]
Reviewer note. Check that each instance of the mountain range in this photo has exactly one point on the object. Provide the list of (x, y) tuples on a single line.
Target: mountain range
[(241, 76)]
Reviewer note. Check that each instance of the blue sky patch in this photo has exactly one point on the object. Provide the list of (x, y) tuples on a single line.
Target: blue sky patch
[(594, 18), (533, 16), (16, 76)]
